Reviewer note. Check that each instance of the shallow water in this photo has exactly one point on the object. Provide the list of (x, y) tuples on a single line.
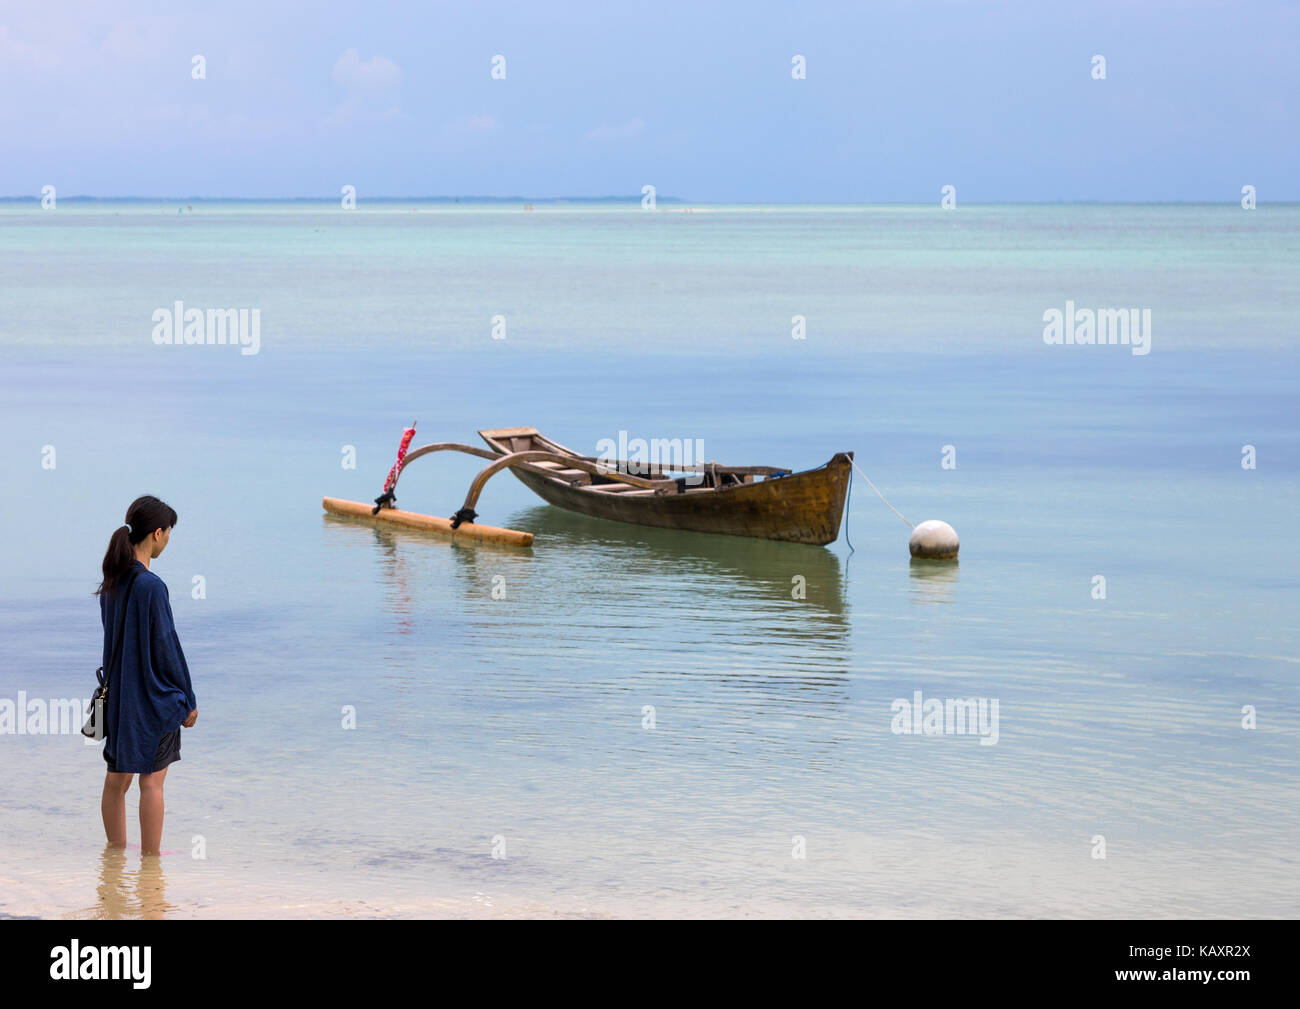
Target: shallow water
[(484, 721)]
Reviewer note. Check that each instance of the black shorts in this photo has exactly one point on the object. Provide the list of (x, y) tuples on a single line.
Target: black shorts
[(169, 751)]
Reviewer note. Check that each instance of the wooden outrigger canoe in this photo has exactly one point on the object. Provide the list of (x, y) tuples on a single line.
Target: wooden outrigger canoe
[(766, 502)]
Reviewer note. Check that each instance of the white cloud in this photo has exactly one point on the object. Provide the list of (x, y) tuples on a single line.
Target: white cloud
[(465, 133), (478, 124), (632, 128), (17, 53), (366, 77), (139, 39), (354, 111), (371, 88)]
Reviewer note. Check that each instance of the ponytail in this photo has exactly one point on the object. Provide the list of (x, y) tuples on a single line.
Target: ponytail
[(117, 560), (145, 515)]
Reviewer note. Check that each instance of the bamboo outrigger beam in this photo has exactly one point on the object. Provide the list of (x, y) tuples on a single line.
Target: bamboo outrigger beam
[(428, 523)]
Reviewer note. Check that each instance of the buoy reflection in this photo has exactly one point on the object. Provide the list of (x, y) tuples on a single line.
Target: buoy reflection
[(933, 581)]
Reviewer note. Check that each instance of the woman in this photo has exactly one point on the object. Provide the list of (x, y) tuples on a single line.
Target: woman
[(149, 691)]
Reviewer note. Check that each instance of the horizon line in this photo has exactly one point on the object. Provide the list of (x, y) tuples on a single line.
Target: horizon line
[(85, 198)]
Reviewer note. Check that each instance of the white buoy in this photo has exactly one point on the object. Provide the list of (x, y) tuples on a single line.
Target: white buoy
[(933, 539)]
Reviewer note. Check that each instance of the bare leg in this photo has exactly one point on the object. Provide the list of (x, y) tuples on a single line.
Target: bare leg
[(151, 811), (112, 806)]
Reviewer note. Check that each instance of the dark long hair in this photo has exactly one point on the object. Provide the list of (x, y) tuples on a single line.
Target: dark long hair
[(145, 515)]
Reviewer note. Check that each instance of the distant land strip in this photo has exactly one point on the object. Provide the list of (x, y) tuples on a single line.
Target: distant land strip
[(635, 198), (334, 199)]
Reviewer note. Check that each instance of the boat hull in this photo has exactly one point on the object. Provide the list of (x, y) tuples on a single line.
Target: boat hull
[(803, 507)]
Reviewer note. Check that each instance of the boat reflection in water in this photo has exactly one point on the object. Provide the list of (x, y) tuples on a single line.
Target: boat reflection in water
[(726, 568), (711, 604), (627, 597), (557, 653)]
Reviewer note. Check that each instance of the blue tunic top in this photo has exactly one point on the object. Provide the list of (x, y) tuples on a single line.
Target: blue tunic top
[(150, 695)]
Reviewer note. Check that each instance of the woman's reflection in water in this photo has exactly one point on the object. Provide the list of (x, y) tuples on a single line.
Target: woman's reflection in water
[(128, 888)]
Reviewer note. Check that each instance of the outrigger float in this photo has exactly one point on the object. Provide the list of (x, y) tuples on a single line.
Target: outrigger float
[(766, 502)]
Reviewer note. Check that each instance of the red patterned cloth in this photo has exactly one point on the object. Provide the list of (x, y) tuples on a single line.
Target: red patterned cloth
[(407, 435)]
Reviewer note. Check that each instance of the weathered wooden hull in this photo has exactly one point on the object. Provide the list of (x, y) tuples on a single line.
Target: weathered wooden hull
[(803, 507)]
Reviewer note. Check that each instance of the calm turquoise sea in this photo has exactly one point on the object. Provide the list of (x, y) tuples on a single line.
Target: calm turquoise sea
[(514, 723)]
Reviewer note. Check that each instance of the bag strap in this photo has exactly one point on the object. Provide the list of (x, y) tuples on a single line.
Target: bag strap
[(121, 627)]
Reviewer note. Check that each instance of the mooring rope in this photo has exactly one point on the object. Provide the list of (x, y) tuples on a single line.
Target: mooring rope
[(879, 495)]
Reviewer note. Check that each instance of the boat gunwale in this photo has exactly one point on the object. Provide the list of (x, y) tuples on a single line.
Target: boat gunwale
[(491, 437)]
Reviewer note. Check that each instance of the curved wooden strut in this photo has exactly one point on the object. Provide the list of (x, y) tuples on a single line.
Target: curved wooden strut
[(522, 460)]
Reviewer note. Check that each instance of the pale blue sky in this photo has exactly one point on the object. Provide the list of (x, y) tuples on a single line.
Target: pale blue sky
[(697, 99)]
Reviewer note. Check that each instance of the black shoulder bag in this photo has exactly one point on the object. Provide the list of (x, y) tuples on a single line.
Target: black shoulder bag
[(94, 727)]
